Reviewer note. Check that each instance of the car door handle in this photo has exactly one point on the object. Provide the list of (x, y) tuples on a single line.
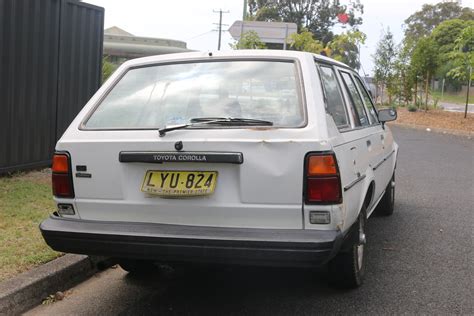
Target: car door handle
[(353, 148), (369, 143)]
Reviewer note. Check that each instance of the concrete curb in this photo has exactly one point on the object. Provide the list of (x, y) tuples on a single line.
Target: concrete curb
[(30, 288), (434, 129)]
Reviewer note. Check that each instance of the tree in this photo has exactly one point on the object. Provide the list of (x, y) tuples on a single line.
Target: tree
[(305, 42), (446, 32), (344, 47), (421, 23), (107, 68), (384, 62), (445, 35), (463, 55), (317, 16), (424, 62), (402, 81), (249, 40)]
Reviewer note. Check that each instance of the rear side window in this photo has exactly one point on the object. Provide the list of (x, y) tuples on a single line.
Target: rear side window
[(368, 101), (334, 102), (357, 106), (171, 94)]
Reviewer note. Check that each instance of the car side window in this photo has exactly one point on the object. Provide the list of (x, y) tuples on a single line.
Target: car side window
[(334, 101), (360, 116), (368, 101)]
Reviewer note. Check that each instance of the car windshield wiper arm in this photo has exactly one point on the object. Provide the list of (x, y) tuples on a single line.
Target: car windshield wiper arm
[(216, 120), (231, 121)]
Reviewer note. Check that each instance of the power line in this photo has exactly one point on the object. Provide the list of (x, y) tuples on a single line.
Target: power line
[(200, 35), (220, 26)]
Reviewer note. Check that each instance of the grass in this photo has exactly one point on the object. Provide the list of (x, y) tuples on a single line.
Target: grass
[(25, 200), (452, 98)]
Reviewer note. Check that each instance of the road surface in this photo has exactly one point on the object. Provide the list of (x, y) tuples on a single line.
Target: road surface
[(452, 107), (420, 260)]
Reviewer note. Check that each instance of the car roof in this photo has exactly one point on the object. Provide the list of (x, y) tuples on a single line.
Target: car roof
[(232, 54)]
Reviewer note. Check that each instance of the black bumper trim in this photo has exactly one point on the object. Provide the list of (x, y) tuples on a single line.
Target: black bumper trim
[(177, 243)]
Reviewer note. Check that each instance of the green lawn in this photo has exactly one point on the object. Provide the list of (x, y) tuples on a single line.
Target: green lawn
[(25, 200), (452, 98)]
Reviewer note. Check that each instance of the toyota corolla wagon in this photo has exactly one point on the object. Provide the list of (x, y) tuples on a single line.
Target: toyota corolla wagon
[(253, 157)]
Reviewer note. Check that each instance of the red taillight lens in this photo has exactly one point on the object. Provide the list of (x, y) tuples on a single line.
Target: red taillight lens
[(62, 185), (324, 190), (62, 176), (323, 184)]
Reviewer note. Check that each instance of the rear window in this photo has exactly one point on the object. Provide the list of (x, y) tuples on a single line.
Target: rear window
[(171, 94)]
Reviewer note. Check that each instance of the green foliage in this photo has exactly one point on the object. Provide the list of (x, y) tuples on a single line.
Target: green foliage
[(345, 47), (249, 40), (445, 33), (384, 63), (412, 108), (108, 69), (424, 58), (462, 56), (305, 42), (421, 23), (317, 16)]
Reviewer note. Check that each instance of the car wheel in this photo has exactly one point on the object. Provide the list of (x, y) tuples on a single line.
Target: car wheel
[(348, 267), (387, 203), (136, 266)]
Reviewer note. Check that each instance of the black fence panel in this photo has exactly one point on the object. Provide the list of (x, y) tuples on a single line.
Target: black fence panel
[(82, 34), (50, 61), (29, 35)]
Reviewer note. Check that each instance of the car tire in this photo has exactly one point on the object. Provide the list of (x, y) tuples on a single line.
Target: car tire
[(347, 268), (137, 267), (387, 203)]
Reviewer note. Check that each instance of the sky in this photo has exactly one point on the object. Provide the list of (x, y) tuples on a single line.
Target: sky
[(193, 21)]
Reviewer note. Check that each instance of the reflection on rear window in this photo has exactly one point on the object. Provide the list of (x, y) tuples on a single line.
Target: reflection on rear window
[(156, 96)]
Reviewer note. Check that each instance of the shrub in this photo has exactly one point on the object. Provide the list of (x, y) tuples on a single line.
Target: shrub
[(412, 108)]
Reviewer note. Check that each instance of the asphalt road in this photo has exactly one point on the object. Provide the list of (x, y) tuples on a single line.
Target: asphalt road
[(420, 260), (451, 107)]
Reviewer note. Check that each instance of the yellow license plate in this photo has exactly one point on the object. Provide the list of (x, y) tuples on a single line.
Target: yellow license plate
[(179, 183)]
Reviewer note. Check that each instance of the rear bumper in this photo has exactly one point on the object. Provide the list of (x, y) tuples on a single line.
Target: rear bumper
[(176, 243)]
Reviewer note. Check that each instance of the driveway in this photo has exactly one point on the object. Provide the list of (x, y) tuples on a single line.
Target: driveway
[(420, 259)]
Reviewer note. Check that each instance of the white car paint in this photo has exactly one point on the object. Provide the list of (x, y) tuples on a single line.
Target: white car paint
[(266, 191)]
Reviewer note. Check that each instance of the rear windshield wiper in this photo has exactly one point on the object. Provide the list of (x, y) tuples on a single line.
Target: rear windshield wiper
[(231, 121)]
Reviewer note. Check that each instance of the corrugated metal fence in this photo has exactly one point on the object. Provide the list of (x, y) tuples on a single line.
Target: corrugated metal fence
[(50, 65)]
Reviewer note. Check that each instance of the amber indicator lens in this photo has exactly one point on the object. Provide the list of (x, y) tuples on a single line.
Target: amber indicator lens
[(321, 165), (60, 163)]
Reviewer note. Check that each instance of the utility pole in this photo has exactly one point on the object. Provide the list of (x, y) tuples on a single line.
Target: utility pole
[(220, 26), (244, 15)]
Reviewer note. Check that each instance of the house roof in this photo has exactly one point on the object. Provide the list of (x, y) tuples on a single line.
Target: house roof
[(115, 30)]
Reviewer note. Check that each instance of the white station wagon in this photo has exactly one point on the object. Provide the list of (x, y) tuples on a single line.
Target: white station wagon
[(253, 157)]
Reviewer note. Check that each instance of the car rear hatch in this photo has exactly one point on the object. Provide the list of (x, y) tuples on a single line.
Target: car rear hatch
[(263, 191)]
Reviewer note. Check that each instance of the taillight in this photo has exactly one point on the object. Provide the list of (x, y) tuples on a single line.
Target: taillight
[(322, 180), (62, 176)]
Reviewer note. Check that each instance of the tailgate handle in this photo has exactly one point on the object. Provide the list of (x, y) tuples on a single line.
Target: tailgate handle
[(182, 156)]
